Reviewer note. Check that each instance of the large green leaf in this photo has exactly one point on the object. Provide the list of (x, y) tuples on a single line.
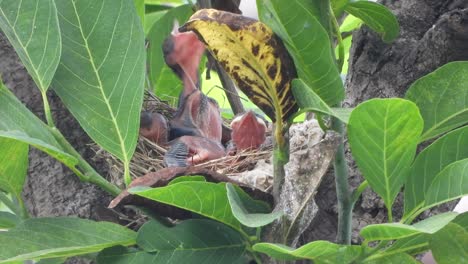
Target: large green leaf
[(450, 184), (189, 240), (411, 245), (392, 231), (102, 70), (309, 101), (150, 19), (383, 135), (38, 238), (205, 198), (462, 220), (393, 259), (450, 245), (447, 149), (19, 123), (8, 220), (250, 219), (164, 81), (33, 30), (13, 165), (307, 42), (319, 251), (441, 98), (377, 17)]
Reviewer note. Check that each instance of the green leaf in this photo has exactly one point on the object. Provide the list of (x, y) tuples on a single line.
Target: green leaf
[(150, 19), (430, 162), (102, 70), (140, 9), (441, 98), (383, 135), (377, 17), (350, 23), (33, 30), (8, 220), (338, 6), (449, 245), (411, 245), (159, 72), (190, 240), (394, 259), (204, 198), (243, 215), (39, 238), (320, 251), (123, 255), (392, 231), (309, 101), (308, 43), (13, 165), (53, 151), (19, 123), (450, 184), (187, 179), (462, 220)]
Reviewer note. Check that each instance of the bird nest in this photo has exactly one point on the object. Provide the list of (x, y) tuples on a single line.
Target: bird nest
[(149, 156)]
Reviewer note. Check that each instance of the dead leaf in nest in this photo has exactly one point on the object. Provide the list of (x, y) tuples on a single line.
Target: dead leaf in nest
[(163, 177), (252, 55)]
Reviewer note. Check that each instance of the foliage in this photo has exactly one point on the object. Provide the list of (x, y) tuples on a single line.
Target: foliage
[(92, 54)]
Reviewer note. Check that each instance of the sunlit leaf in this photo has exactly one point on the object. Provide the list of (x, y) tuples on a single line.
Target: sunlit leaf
[(450, 184), (383, 135), (13, 165), (8, 220), (430, 162), (101, 73), (392, 231), (38, 238), (377, 17), (295, 21), (32, 28), (252, 55), (189, 242), (320, 251), (441, 98)]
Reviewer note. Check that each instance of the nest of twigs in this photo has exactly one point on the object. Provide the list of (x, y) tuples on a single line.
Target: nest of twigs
[(149, 156)]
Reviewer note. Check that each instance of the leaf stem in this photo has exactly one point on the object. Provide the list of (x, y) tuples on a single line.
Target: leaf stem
[(389, 213), (47, 112), (339, 40), (280, 158), (356, 193), (127, 177), (89, 175)]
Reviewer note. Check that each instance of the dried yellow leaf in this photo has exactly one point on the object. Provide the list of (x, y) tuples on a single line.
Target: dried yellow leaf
[(252, 55)]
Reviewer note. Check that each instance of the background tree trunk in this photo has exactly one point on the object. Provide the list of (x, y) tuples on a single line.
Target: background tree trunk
[(52, 189), (432, 33)]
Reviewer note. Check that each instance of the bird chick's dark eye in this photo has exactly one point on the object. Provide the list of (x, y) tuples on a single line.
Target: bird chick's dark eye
[(168, 46)]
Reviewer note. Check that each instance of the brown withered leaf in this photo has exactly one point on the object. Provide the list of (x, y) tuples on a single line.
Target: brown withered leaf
[(252, 55)]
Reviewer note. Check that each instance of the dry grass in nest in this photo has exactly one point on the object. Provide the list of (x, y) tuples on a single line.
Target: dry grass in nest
[(149, 157)]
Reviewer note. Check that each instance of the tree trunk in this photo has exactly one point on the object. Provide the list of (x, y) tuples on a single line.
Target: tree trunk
[(432, 33), (52, 189)]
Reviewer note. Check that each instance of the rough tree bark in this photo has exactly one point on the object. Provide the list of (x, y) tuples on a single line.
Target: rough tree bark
[(432, 33), (52, 189)]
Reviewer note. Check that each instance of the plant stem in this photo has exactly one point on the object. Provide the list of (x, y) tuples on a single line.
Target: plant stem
[(345, 205), (390, 214), (280, 158), (127, 177), (89, 175)]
